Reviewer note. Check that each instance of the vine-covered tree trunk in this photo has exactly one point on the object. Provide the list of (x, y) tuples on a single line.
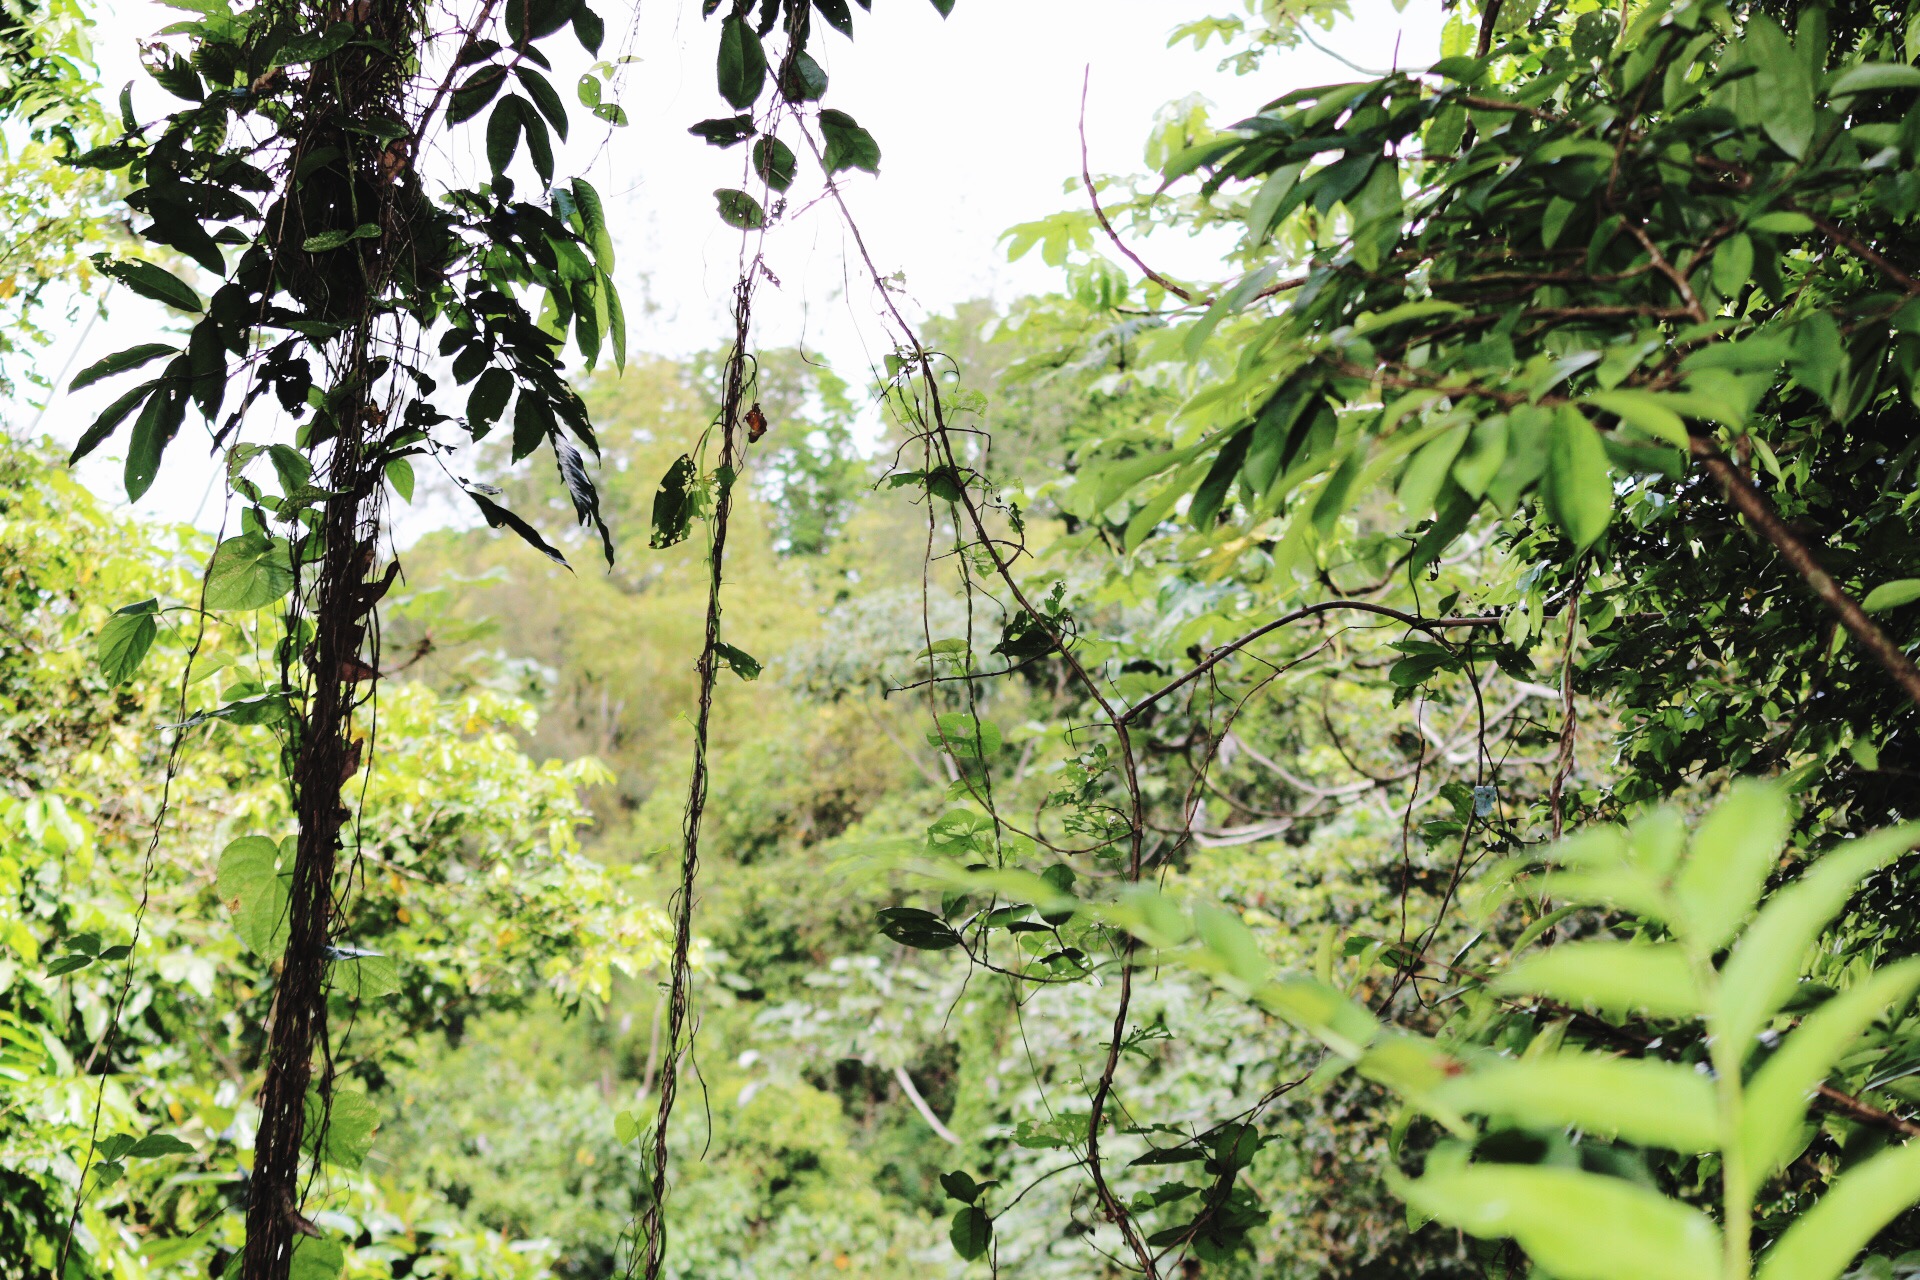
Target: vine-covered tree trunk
[(324, 758)]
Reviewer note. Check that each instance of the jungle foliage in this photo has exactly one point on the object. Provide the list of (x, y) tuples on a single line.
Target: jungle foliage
[(1392, 760)]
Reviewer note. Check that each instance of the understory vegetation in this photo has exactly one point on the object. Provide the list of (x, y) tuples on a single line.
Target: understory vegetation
[(1394, 759)]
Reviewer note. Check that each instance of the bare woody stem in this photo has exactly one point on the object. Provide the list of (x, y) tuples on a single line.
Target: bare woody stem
[(1750, 502)]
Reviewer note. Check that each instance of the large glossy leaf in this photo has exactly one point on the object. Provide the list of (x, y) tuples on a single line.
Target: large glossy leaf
[(249, 572), (1823, 1244), (1577, 1225), (1766, 962), (1654, 1104), (1778, 1094), (1648, 977), (1726, 868)]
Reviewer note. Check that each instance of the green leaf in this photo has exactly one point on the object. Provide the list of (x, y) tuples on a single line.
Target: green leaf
[(848, 145), (1227, 937), (348, 1122), (1765, 963), (802, 79), (1579, 490), (1874, 77), (1720, 882), (110, 419), (488, 400), (152, 282), (123, 642), (1733, 264), (249, 572), (774, 161), (1891, 595), (545, 98), (738, 209), (67, 964), (316, 1259), (742, 69), (1651, 1103), (472, 97), (972, 1232), (672, 508), (922, 930), (1824, 1242), (1642, 409), (944, 6), (594, 216), (327, 241), (503, 133), (729, 131), (400, 476), (1577, 1225), (120, 362), (959, 1185), (159, 1144), (1653, 977), (153, 430), (257, 893), (739, 661), (365, 976), (1777, 1096)]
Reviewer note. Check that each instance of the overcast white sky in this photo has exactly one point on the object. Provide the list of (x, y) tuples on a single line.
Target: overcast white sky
[(976, 117)]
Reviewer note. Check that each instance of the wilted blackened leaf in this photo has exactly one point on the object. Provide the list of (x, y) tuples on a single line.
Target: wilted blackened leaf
[(580, 487), (498, 516)]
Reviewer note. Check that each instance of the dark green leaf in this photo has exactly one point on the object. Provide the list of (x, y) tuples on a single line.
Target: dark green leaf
[(972, 1232), (110, 418), (472, 97), (532, 423), (742, 69), (726, 132), (922, 930), (503, 133), (774, 161), (739, 661), (544, 96), (488, 400), (152, 282), (672, 505), (593, 215), (154, 430), (802, 79), (589, 29), (67, 964), (120, 362), (838, 16), (848, 145), (738, 209)]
